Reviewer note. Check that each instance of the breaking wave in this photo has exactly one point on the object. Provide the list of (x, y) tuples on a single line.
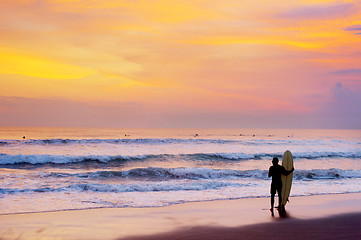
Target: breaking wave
[(7, 159), (173, 179), (165, 174)]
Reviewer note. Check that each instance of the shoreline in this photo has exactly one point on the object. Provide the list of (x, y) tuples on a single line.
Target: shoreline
[(223, 216), (175, 204)]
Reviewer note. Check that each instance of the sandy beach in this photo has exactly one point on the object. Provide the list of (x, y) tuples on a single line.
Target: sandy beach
[(314, 217)]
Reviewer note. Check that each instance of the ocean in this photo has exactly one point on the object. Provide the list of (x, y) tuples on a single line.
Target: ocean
[(54, 169)]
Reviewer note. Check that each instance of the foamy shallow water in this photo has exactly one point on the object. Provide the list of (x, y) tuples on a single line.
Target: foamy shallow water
[(57, 169)]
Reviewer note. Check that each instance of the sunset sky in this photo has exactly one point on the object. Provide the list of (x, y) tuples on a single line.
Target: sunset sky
[(180, 63)]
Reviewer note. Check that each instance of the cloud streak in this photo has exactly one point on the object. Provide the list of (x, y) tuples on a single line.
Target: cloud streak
[(19, 111), (348, 72), (319, 11), (356, 29)]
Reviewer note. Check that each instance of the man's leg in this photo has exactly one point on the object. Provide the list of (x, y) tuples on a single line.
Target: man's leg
[(273, 193), (279, 192)]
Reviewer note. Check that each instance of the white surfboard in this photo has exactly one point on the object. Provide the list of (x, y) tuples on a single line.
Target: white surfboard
[(287, 163)]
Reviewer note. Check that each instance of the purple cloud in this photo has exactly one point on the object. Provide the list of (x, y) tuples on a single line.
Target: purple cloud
[(351, 71), (319, 11), (343, 111), (19, 111), (354, 28)]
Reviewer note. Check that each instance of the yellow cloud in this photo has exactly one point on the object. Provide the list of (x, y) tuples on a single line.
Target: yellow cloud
[(173, 11), (164, 11), (224, 40), (97, 87), (15, 63)]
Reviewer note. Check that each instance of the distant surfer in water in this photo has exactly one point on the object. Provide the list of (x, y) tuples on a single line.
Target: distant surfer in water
[(275, 171)]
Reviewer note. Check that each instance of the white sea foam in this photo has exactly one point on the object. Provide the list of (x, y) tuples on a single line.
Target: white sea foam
[(59, 159)]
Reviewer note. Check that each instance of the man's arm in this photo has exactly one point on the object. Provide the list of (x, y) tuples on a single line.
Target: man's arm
[(270, 172), (285, 172)]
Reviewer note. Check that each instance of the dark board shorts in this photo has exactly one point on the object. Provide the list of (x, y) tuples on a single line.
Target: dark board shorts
[(276, 187)]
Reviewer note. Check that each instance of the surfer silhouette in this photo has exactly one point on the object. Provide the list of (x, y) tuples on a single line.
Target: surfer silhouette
[(275, 171)]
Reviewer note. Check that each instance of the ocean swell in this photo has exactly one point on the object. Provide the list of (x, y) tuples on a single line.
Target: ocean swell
[(161, 141)]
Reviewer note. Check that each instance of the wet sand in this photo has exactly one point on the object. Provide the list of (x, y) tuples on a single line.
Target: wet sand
[(315, 217), (345, 226)]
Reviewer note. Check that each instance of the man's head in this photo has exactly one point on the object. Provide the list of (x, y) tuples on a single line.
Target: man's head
[(275, 160)]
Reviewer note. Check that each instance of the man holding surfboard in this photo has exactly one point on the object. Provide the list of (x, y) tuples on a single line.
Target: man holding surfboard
[(280, 177)]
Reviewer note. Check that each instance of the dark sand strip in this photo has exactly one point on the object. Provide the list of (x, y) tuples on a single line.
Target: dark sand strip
[(346, 226)]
